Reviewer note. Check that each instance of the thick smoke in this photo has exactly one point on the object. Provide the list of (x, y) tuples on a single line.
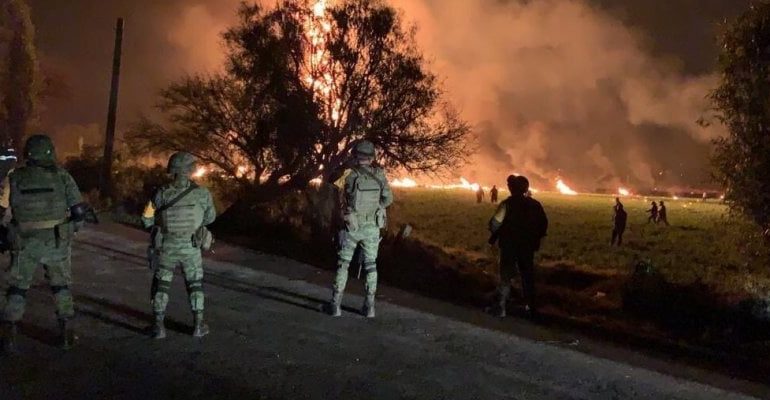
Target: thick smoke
[(562, 88), (552, 87)]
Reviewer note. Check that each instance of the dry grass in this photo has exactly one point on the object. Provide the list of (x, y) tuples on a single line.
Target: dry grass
[(703, 245)]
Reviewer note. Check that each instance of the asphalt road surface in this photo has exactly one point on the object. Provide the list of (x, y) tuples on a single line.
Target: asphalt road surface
[(270, 340)]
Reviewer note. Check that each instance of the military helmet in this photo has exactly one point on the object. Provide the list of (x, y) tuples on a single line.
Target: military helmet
[(39, 149), (181, 163), (364, 149), (518, 184)]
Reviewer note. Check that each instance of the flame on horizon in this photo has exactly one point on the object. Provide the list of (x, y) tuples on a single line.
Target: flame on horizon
[(404, 183), (564, 189)]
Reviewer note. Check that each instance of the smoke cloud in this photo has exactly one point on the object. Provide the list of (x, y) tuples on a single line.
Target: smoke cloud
[(552, 87), (563, 88)]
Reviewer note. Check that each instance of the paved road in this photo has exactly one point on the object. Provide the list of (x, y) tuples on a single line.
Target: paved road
[(269, 341)]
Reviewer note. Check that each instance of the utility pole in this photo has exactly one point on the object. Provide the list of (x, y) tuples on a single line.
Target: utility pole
[(112, 111)]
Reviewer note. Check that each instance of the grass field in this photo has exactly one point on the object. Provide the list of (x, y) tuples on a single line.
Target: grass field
[(703, 245)]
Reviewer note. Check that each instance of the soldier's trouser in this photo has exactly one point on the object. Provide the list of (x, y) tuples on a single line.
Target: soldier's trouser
[(191, 263), (513, 261), (29, 254), (368, 236)]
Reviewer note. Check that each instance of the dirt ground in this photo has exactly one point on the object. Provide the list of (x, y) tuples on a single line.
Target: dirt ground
[(271, 341)]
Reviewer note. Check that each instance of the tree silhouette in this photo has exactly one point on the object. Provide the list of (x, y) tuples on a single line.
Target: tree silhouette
[(300, 87)]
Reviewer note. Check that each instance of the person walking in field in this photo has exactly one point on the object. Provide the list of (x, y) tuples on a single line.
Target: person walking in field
[(619, 219), (653, 213), (479, 195), (493, 194), (518, 227), (663, 214)]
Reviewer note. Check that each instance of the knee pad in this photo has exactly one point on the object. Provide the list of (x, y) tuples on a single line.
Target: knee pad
[(194, 286), (58, 289), (15, 291), (370, 267), (160, 286)]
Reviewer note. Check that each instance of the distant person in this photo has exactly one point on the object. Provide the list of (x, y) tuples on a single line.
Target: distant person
[(518, 227), (480, 195), (653, 213), (663, 214), (619, 223), (493, 194)]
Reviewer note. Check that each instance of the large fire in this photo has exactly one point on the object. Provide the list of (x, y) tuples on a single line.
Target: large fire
[(404, 183), (624, 192), (321, 73), (464, 184), (564, 189), (200, 172)]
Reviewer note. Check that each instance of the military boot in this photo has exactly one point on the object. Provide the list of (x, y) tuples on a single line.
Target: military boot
[(368, 309), (8, 333), (158, 327), (201, 328), (335, 306), (66, 334)]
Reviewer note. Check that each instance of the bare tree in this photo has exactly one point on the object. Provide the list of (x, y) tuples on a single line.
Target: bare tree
[(20, 70), (301, 86)]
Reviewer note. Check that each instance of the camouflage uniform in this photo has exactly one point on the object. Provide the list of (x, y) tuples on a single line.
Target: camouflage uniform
[(365, 196), (177, 225), (40, 195)]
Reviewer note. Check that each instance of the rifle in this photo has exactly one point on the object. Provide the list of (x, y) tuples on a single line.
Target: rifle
[(153, 249)]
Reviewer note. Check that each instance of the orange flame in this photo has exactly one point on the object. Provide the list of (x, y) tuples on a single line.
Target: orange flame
[(624, 192), (564, 189), (404, 183), (321, 73), (200, 172)]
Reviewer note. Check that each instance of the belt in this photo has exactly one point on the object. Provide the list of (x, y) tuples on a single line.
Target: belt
[(39, 225)]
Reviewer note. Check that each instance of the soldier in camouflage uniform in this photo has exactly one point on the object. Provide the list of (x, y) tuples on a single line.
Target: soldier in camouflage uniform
[(365, 196), (176, 227), (40, 195)]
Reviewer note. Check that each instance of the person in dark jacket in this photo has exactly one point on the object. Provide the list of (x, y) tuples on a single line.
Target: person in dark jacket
[(619, 223), (653, 213), (663, 213), (518, 227)]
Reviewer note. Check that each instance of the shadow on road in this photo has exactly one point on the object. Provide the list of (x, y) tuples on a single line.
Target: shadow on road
[(110, 307)]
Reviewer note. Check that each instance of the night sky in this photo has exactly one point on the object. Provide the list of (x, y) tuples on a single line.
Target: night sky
[(675, 38)]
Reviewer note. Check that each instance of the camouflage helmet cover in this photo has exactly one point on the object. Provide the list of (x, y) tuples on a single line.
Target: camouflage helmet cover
[(364, 149), (181, 163), (39, 149)]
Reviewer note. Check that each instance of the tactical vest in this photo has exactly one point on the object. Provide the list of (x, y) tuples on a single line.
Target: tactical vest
[(183, 218), (364, 192), (38, 198)]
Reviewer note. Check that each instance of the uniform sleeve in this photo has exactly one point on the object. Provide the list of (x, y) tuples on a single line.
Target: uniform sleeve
[(71, 190), (209, 210), (5, 197), (386, 197), (148, 215), (497, 220)]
